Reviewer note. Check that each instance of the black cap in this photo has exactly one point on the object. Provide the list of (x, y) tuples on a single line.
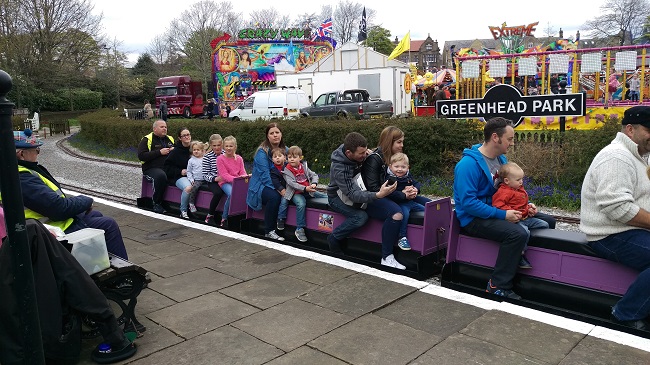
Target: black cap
[(637, 115)]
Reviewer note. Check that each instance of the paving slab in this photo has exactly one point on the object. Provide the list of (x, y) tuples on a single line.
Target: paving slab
[(523, 335), (358, 294), (138, 257), (594, 351), (432, 314), (200, 315), (167, 248), (201, 239), (156, 338), (459, 349), (158, 231), (231, 250), (128, 231), (151, 301), (299, 321), (257, 264), (192, 284), (375, 340), (306, 355), (174, 265), (318, 273), (225, 345), (268, 290)]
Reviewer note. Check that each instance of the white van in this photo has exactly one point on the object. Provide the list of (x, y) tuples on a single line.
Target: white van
[(282, 103)]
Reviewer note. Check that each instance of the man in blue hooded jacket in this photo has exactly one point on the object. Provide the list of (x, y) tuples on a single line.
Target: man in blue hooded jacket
[(476, 179)]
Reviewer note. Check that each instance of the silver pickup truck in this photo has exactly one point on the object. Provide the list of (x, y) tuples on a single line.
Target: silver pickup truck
[(348, 104)]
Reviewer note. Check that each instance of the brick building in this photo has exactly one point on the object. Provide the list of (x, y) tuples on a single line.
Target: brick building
[(424, 53)]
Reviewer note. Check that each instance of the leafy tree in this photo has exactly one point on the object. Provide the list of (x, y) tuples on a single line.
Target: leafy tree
[(346, 20), (268, 18), (379, 40), (147, 71), (621, 20), (645, 38)]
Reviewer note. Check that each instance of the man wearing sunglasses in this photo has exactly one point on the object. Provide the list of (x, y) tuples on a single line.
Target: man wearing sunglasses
[(45, 201)]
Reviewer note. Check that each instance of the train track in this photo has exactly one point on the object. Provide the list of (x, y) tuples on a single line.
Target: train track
[(61, 145)]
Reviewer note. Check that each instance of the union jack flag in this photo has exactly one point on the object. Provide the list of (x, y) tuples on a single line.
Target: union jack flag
[(325, 29)]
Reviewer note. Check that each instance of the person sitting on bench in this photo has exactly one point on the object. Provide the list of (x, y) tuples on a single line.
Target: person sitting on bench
[(45, 201)]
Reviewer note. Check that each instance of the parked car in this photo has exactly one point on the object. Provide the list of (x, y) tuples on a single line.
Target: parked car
[(347, 104), (271, 104)]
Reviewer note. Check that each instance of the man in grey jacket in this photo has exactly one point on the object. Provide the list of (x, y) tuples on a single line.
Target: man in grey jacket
[(346, 164)]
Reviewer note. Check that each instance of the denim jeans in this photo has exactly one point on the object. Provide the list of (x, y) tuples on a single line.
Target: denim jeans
[(300, 200), (634, 95), (182, 183), (546, 218), (407, 208), (355, 218), (271, 201), (384, 209), (630, 248), (227, 189), (532, 223), (159, 179), (512, 239)]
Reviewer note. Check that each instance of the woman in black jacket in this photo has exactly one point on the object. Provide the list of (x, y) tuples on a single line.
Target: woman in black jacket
[(373, 172), (176, 168)]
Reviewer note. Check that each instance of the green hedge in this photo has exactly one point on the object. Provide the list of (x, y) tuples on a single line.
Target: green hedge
[(434, 145)]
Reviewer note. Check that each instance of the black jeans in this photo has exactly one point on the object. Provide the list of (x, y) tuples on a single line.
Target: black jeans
[(217, 193), (159, 179), (512, 238)]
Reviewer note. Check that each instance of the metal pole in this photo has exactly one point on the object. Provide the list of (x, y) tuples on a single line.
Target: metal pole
[(12, 201)]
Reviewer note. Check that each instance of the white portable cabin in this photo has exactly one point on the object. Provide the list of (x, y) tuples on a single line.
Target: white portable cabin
[(352, 66)]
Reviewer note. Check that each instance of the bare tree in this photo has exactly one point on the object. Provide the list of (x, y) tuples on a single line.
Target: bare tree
[(190, 34), (621, 20), (268, 18), (39, 37), (346, 20)]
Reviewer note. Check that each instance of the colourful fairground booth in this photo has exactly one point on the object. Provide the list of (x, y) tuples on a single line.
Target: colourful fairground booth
[(249, 64), (603, 75)]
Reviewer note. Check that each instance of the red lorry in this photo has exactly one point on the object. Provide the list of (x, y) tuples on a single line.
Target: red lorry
[(184, 96)]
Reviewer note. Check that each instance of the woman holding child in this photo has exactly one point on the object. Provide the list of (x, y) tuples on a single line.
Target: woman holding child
[(260, 187), (375, 173), (176, 168)]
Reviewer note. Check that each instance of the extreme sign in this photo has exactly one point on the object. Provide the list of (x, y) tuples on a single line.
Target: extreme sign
[(506, 101)]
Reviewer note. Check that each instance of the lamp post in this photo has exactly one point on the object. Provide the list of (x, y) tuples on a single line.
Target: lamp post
[(23, 296)]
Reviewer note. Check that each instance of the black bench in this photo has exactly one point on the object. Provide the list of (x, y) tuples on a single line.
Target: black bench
[(121, 283)]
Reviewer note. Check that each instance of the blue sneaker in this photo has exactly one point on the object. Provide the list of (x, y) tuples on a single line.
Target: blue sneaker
[(501, 292), (403, 243)]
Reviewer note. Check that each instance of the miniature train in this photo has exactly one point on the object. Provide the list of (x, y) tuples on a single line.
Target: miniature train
[(567, 277)]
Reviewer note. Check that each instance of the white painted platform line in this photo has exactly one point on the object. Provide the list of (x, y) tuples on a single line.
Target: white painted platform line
[(528, 313)]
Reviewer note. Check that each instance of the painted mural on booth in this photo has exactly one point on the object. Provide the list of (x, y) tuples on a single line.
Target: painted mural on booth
[(241, 68)]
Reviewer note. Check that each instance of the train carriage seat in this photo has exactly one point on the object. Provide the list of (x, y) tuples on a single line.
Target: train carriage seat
[(416, 218), (558, 240)]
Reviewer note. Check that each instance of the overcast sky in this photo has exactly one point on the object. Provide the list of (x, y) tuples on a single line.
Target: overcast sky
[(136, 22)]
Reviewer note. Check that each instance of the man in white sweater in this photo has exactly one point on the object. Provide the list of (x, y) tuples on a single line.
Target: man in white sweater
[(615, 211)]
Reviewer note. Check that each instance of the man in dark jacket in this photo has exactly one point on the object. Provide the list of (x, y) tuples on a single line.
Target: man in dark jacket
[(152, 153), (345, 195), (44, 200)]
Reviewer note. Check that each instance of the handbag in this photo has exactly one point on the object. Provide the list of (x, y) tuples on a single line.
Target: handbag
[(358, 180)]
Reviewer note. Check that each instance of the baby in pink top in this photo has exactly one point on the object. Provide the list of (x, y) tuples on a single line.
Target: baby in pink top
[(230, 165)]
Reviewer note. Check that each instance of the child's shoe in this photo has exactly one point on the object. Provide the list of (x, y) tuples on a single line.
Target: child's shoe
[(524, 263), (403, 243), (280, 224), (508, 293), (208, 217), (300, 235), (192, 208), (184, 215), (224, 223), (274, 236)]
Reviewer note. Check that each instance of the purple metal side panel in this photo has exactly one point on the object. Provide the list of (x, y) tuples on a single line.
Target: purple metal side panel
[(452, 240), (147, 188), (238, 199), (437, 216), (569, 268)]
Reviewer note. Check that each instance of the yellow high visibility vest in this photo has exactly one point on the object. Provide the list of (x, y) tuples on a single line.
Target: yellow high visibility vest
[(149, 138), (30, 214)]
